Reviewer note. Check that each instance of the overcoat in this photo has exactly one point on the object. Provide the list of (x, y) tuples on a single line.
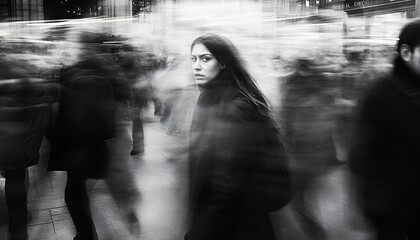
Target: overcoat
[(84, 120), (308, 115), (386, 148), (24, 104), (225, 145)]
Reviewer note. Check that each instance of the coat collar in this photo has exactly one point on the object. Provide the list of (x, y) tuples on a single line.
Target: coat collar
[(216, 91)]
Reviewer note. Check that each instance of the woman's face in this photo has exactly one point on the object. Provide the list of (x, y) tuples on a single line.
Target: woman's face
[(204, 64)]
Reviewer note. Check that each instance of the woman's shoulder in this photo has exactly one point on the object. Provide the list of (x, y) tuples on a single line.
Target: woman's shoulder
[(238, 106)]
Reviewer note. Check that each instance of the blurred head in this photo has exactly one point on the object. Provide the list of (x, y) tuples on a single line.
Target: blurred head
[(409, 45), (355, 56), (304, 66), (129, 65)]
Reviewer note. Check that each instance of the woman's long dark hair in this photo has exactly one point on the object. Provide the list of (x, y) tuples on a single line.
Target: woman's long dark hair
[(227, 55)]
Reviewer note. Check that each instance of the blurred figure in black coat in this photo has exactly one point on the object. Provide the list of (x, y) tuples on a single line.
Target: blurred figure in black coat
[(138, 95), (308, 120), (386, 149), (85, 119), (24, 105)]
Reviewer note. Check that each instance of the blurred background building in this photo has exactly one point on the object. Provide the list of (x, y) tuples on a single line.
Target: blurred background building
[(370, 7), (23, 10), (271, 35), (29, 10)]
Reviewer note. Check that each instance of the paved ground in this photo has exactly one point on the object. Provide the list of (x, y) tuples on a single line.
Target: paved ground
[(160, 176)]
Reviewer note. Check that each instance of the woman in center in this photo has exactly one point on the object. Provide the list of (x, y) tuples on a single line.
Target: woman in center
[(226, 141)]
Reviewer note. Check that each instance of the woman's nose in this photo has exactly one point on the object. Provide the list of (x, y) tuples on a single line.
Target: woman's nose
[(197, 65)]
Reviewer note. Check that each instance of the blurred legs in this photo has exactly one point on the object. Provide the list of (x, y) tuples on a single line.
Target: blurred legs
[(78, 204), (15, 190)]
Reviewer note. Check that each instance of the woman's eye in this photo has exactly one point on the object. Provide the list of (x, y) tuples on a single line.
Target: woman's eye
[(206, 59), (193, 59)]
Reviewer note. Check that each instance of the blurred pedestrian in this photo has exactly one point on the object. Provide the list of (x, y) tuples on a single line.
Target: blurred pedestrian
[(138, 93), (138, 101), (120, 178), (308, 120), (179, 93), (138, 67), (234, 152), (386, 148), (85, 120), (23, 118), (351, 89)]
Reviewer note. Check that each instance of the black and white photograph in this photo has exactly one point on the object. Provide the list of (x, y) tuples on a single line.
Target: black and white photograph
[(209, 119)]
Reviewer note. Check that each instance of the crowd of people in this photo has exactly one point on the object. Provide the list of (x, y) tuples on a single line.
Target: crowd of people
[(246, 158)]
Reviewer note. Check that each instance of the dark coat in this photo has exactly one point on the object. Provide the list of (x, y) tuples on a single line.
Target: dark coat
[(386, 149), (84, 120), (225, 143), (308, 115), (23, 114)]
